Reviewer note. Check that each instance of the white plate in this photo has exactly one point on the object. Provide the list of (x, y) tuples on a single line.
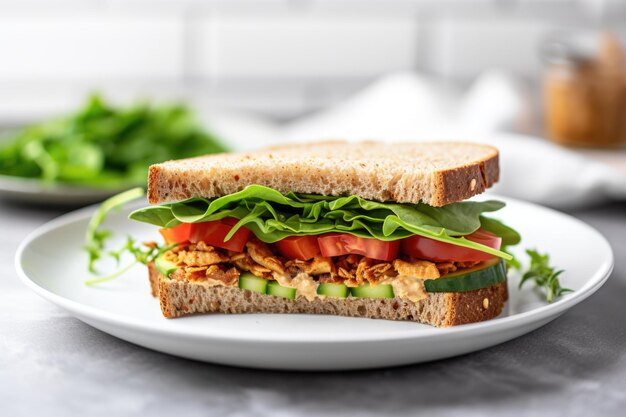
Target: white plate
[(51, 262), (30, 190)]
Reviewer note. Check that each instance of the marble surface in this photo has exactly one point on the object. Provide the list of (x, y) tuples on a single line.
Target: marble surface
[(54, 365)]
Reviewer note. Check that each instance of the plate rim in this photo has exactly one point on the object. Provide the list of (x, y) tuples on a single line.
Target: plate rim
[(38, 185), (543, 312)]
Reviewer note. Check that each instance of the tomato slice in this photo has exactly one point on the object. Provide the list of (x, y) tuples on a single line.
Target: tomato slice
[(176, 234), (298, 247), (213, 233), (337, 244), (434, 250)]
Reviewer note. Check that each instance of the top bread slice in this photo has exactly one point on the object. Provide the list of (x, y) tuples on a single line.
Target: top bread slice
[(436, 173)]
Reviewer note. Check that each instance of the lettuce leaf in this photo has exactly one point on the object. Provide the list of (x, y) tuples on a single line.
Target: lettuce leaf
[(272, 216)]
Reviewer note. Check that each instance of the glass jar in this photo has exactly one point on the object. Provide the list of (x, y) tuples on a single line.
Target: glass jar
[(585, 93)]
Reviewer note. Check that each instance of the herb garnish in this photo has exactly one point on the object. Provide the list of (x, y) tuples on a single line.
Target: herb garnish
[(95, 239), (544, 275)]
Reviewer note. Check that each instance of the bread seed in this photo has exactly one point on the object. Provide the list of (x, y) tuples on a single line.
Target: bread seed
[(473, 184), (486, 303)]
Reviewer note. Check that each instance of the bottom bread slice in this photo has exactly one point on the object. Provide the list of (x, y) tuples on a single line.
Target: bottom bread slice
[(179, 298)]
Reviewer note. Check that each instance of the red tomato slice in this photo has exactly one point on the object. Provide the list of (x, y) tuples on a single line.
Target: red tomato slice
[(298, 247), (176, 234), (337, 244), (434, 250), (231, 221), (213, 233)]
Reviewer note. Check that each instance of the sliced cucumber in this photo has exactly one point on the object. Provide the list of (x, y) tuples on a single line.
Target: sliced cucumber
[(164, 267), (251, 282), (482, 276), (274, 288), (333, 290), (368, 291)]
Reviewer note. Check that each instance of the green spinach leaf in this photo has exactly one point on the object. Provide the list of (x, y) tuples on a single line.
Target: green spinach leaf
[(272, 216)]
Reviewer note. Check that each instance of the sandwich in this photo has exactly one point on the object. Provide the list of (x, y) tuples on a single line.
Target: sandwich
[(362, 229)]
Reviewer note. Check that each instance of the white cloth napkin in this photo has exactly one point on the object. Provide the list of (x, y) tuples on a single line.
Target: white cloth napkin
[(407, 107)]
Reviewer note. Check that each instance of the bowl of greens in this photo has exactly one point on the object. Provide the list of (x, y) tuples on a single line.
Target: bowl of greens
[(97, 150)]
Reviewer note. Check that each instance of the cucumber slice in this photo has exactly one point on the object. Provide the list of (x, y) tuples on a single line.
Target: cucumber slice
[(484, 275), (253, 283), (333, 290), (274, 288), (164, 267), (368, 291)]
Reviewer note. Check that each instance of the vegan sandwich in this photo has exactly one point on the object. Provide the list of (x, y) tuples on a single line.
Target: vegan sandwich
[(361, 229)]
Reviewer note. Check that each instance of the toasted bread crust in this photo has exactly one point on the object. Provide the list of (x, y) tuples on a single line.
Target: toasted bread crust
[(475, 306), (179, 298), (435, 173)]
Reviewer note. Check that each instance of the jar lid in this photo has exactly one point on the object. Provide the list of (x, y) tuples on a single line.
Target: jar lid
[(573, 48)]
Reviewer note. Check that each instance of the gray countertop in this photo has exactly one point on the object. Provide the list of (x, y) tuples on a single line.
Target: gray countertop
[(52, 364)]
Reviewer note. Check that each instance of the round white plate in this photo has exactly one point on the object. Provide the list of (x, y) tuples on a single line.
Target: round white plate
[(35, 191), (52, 263)]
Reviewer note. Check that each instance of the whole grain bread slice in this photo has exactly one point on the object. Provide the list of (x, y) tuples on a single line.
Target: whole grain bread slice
[(435, 173), (179, 298)]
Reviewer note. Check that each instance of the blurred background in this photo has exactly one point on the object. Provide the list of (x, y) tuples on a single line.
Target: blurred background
[(266, 71), (280, 58)]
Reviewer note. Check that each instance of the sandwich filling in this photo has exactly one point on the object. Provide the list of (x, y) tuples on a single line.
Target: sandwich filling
[(199, 262), (317, 246)]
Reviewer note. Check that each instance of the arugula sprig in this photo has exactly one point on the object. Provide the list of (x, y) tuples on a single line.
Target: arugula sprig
[(95, 239), (544, 275), (149, 254)]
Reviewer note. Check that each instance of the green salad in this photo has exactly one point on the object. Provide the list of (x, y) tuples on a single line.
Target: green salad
[(105, 146)]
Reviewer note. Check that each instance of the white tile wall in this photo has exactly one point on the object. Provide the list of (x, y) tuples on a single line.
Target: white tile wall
[(260, 97), (278, 57), (90, 46), (464, 48), (298, 45)]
